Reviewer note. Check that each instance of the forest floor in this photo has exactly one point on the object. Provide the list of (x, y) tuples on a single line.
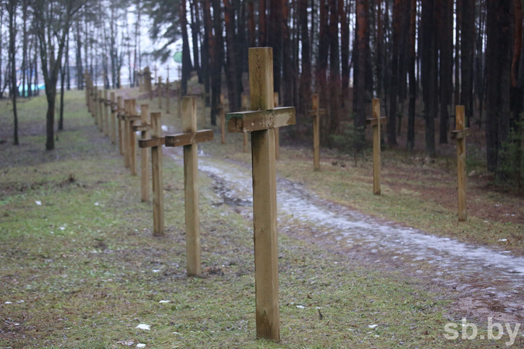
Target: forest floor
[(81, 269)]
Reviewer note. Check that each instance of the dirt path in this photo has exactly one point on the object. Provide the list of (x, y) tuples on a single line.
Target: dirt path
[(483, 281)]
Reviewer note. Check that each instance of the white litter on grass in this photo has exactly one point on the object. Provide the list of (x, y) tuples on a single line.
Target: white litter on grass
[(144, 327), (301, 307), (96, 203), (20, 301), (140, 345), (62, 228), (372, 326), (8, 302), (164, 301), (38, 203), (503, 239), (156, 270)]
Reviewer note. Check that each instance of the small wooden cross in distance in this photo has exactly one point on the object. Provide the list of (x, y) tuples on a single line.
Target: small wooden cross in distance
[(261, 122), (189, 140), (460, 135), (316, 112), (375, 122)]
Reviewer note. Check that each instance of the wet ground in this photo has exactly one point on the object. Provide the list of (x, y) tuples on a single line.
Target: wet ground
[(484, 282)]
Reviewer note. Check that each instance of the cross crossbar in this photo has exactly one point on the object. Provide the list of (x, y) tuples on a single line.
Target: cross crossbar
[(374, 121), (181, 139), (459, 134), (258, 120)]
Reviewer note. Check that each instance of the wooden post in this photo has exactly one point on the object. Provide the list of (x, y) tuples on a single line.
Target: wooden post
[(375, 121), (100, 100), (222, 120), (114, 109), (144, 155), (94, 97), (147, 82), (167, 92), (120, 109), (132, 136), (189, 140), (244, 108), (460, 134), (316, 112), (277, 131), (106, 104), (159, 92), (262, 121), (125, 133)]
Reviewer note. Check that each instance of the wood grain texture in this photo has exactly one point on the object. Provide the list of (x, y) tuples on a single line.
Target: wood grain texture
[(144, 153), (132, 139), (113, 118), (181, 139), (157, 175), (376, 146), (257, 120), (120, 103)]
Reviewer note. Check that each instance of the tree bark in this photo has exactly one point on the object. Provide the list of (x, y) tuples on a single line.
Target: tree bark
[(446, 67), (412, 78), (186, 56), (467, 57), (429, 74), (11, 6), (359, 89)]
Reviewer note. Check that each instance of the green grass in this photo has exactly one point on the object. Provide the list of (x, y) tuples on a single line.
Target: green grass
[(88, 269)]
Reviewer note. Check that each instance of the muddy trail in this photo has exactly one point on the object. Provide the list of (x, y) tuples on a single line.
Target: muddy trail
[(484, 282)]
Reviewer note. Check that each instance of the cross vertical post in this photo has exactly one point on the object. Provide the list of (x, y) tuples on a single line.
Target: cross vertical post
[(120, 109), (105, 104), (315, 113), (132, 137), (156, 169), (189, 139), (167, 92), (261, 122), (159, 92), (460, 134), (100, 110), (94, 97), (277, 130), (113, 117), (375, 121), (244, 107), (144, 155), (125, 133)]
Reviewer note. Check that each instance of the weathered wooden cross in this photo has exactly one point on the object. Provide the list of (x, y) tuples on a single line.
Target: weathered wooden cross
[(147, 82), (261, 122), (120, 110), (460, 134), (189, 140), (375, 121), (114, 109), (155, 143), (316, 112), (106, 103), (129, 139), (100, 101), (144, 127)]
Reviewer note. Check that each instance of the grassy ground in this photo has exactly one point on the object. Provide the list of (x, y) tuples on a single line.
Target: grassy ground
[(79, 267)]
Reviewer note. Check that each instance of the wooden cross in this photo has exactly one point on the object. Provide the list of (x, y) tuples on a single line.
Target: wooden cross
[(100, 101), (316, 112), (86, 80), (261, 122), (94, 107), (375, 121), (147, 82), (221, 110), (189, 140), (114, 108), (460, 134), (277, 130), (155, 143), (120, 110), (129, 139), (106, 102), (244, 108), (144, 127)]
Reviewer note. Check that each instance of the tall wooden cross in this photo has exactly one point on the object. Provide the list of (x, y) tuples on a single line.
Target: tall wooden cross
[(261, 122), (375, 121), (106, 103), (128, 135), (155, 143), (189, 139), (114, 108), (460, 134), (144, 127), (316, 112), (120, 110)]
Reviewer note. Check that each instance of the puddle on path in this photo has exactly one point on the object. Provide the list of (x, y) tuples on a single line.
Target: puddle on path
[(489, 282)]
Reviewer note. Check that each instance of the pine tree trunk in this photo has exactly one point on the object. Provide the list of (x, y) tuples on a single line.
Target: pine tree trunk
[(359, 89), (186, 57), (231, 61), (446, 65), (429, 73), (394, 86), (412, 78), (467, 57)]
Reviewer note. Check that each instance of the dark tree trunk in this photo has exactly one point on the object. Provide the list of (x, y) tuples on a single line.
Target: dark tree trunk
[(11, 10), (288, 69), (251, 24), (62, 90), (429, 73), (344, 44), (195, 29), (458, 24), (446, 65), (359, 90), (498, 61), (79, 68), (412, 78), (262, 26), (467, 57), (394, 85), (275, 40), (334, 68), (380, 50), (217, 60), (232, 59), (305, 77), (205, 66), (186, 57)]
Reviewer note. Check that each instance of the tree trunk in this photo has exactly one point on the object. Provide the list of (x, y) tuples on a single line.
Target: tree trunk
[(186, 56), (11, 10), (251, 23), (429, 73), (231, 61), (217, 60), (446, 67), (334, 68), (359, 89), (305, 77), (262, 26), (394, 86), (344, 45), (275, 41), (412, 78), (288, 72), (467, 57), (195, 28)]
